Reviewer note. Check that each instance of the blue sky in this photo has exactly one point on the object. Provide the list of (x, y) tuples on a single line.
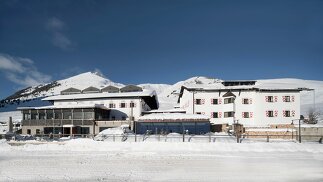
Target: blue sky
[(159, 41)]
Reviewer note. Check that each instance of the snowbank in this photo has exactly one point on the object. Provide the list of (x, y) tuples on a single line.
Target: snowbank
[(91, 145)]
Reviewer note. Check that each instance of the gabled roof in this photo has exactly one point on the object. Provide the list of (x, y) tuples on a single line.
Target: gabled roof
[(91, 90), (131, 88), (110, 89), (229, 94), (70, 91)]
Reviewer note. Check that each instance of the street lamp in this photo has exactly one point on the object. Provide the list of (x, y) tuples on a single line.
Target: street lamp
[(299, 129)]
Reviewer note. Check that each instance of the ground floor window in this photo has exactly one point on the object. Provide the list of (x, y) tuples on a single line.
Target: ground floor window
[(103, 128), (29, 131), (85, 130)]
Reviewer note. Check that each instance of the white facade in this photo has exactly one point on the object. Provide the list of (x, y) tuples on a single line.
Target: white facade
[(119, 107), (252, 107), (117, 103)]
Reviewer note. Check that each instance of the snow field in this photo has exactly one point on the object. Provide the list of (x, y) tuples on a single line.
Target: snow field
[(88, 160)]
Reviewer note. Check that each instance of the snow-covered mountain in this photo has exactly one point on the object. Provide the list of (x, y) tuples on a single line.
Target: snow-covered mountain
[(167, 94)]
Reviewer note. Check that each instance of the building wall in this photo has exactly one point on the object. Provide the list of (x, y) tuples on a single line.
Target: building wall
[(257, 108), (117, 112)]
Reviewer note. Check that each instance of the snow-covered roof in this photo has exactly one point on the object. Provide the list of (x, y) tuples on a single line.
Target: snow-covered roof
[(101, 95), (65, 106), (172, 116)]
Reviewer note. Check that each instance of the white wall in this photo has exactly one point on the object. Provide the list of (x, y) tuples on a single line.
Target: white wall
[(257, 108)]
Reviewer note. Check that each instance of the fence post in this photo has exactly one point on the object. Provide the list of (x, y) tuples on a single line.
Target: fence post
[(183, 137), (209, 137), (267, 138)]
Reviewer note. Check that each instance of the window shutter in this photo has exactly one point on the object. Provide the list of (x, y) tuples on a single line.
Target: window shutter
[(251, 114), (212, 115), (125, 105), (203, 113), (284, 114), (211, 101), (276, 113), (276, 98), (267, 113), (284, 99), (120, 105), (293, 113), (293, 98), (202, 101), (220, 101), (242, 114), (266, 98), (250, 101), (220, 114), (194, 101)]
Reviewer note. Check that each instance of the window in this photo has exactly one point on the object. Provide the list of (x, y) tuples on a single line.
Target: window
[(132, 104), (286, 99), (215, 101), (41, 114), (122, 105), (37, 131), (198, 113), (49, 114), (245, 101), (113, 118), (77, 114), (58, 114), (270, 99), (270, 113), (246, 114), (28, 131), (85, 130), (215, 115), (228, 114), (67, 114), (287, 113), (26, 116), (228, 100), (123, 118), (198, 101), (111, 105), (34, 114)]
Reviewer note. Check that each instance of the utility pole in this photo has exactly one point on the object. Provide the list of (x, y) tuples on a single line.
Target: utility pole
[(299, 128)]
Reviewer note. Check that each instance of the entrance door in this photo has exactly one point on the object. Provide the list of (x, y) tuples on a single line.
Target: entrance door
[(67, 131)]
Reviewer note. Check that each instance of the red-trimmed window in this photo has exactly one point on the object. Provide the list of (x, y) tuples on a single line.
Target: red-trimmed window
[(245, 115), (214, 101), (214, 114), (270, 114), (123, 105)]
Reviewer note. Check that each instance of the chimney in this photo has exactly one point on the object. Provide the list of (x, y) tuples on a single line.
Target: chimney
[(10, 125)]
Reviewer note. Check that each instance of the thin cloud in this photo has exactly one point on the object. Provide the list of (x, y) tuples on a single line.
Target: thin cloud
[(59, 39), (22, 71)]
